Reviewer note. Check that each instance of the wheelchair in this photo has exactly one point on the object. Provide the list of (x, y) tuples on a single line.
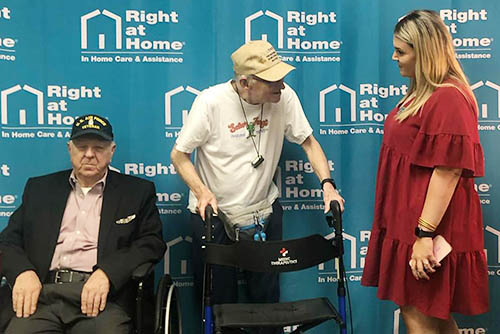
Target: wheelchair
[(153, 314), (165, 306), (269, 256)]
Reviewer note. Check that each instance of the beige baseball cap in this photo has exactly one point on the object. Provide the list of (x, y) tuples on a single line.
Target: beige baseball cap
[(260, 59)]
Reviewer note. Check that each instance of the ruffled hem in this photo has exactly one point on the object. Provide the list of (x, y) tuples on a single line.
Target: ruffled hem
[(459, 285), (450, 150)]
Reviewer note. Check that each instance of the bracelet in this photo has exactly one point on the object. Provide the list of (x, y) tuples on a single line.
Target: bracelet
[(426, 228), (426, 224), (331, 181)]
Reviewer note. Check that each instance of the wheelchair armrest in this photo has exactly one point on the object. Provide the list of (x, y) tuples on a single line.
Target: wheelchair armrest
[(6, 312), (143, 276), (143, 271)]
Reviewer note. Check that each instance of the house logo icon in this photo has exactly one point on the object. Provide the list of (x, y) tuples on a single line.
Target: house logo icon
[(486, 113), (101, 36), (22, 113), (169, 123), (496, 233), (337, 111), (249, 22), (176, 257), (352, 254)]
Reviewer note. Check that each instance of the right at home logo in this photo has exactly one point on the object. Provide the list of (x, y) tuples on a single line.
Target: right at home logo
[(342, 113), (355, 249), (488, 99), (176, 109), (177, 261), (477, 46), (130, 37), (347, 110), (27, 112), (298, 187), (297, 35)]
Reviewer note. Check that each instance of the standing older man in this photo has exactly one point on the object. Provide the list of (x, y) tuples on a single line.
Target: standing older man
[(86, 228), (238, 129)]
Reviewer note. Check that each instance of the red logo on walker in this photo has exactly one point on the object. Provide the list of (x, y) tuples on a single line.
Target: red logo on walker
[(283, 259)]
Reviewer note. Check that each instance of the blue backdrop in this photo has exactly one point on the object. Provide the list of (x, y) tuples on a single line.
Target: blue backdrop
[(141, 63)]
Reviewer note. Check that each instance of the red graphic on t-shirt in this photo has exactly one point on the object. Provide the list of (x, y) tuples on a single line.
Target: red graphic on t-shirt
[(242, 125)]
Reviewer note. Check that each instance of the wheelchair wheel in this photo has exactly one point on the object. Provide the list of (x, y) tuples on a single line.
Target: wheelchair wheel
[(168, 315)]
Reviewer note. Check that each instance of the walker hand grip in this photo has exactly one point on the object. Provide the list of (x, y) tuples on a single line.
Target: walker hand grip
[(335, 221), (209, 212)]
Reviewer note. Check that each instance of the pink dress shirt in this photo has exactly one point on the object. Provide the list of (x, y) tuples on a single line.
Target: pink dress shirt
[(76, 247)]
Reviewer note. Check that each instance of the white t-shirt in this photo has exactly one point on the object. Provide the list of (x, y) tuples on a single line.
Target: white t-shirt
[(216, 127)]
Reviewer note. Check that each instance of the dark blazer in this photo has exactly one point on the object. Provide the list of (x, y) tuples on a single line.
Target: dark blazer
[(29, 240)]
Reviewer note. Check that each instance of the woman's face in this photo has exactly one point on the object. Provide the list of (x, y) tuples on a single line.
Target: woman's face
[(405, 56)]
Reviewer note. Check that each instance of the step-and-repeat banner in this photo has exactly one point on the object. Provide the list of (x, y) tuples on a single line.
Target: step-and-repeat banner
[(141, 63)]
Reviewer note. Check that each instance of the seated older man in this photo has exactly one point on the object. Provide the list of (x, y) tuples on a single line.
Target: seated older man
[(72, 245)]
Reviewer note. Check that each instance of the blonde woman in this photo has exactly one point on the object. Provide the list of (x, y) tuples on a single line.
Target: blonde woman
[(429, 158)]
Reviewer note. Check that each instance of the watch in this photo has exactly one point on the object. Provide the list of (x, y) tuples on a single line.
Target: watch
[(423, 234), (331, 181)]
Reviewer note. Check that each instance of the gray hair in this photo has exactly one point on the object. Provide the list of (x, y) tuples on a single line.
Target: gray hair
[(237, 77)]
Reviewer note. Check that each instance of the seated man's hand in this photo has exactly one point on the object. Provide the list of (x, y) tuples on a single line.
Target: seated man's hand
[(94, 293), (25, 293)]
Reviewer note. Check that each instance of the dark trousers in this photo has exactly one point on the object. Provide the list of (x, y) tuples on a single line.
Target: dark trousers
[(261, 287), (58, 311)]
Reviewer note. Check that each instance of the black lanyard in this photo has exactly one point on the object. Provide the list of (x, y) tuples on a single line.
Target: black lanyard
[(251, 129)]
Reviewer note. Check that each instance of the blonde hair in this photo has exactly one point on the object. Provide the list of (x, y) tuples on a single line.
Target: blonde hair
[(435, 62)]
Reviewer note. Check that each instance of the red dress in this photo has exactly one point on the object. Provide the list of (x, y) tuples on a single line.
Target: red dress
[(443, 133)]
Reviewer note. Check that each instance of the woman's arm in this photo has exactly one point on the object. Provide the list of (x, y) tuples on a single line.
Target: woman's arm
[(439, 192)]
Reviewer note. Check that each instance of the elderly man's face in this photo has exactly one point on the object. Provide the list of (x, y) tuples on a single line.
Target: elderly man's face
[(90, 157), (262, 91)]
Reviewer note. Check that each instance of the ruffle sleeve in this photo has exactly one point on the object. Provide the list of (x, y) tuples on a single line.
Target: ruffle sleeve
[(448, 134)]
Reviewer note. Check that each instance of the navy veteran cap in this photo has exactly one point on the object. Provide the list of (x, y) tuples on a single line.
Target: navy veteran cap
[(92, 125)]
